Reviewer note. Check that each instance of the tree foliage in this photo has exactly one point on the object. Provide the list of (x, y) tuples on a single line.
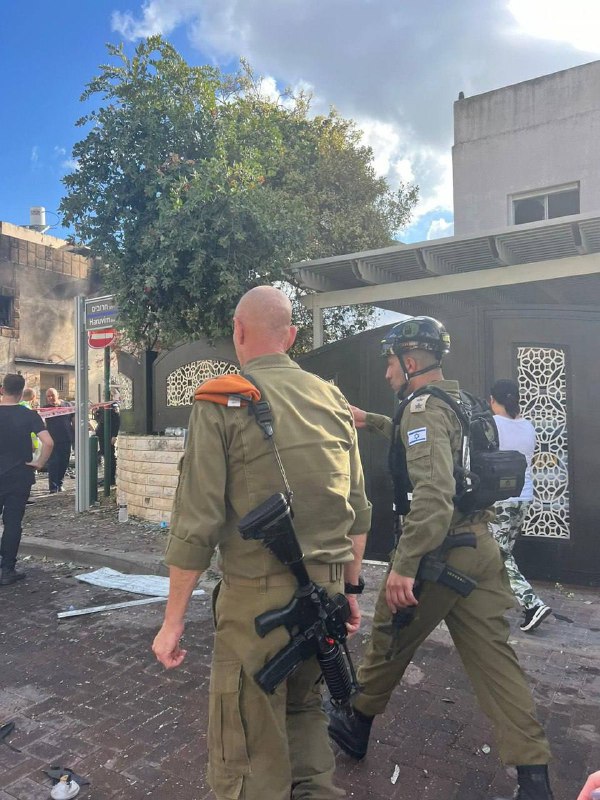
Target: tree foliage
[(193, 187)]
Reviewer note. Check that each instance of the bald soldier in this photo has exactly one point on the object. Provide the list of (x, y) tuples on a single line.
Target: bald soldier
[(425, 446), (265, 746)]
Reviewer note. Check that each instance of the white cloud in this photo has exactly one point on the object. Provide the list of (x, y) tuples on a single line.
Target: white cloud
[(70, 164), (157, 17), (384, 139), (577, 22), (35, 155), (440, 228), (395, 67)]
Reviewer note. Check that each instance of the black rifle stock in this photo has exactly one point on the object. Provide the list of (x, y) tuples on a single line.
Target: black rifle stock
[(315, 621)]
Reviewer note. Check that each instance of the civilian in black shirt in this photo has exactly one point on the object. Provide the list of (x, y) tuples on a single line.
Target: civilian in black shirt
[(115, 424), (62, 430), (17, 471)]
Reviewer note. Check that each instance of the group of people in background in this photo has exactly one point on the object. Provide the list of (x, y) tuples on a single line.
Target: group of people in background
[(30, 442)]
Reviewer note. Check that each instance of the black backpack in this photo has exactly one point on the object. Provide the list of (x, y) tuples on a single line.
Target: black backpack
[(484, 474)]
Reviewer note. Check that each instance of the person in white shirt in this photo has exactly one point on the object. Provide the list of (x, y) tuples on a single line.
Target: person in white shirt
[(515, 433)]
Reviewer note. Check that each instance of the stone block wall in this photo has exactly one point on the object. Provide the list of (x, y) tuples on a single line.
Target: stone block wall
[(147, 475)]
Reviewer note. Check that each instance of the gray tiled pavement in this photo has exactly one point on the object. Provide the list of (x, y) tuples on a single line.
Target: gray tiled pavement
[(87, 694)]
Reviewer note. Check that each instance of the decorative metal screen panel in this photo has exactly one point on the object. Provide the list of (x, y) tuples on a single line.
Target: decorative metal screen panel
[(183, 381), (543, 391), (124, 386)]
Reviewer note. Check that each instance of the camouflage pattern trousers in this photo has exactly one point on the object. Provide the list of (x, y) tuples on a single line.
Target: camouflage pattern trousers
[(506, 529)]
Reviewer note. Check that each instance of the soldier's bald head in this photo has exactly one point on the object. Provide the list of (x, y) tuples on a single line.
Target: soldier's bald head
[(265, 309), (263, 323)]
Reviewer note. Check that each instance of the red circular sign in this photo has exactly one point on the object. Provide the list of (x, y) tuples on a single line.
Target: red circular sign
[(101, 339)]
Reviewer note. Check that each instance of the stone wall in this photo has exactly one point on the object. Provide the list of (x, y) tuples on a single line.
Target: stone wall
[(147, 475)]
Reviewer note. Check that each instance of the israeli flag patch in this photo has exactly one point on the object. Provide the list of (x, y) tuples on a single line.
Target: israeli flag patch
[(417, 436)]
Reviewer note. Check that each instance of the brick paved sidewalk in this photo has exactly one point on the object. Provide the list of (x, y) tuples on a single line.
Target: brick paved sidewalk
[(87, 694)]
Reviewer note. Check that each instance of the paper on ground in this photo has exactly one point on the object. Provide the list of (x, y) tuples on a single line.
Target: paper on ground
[(153, 585)]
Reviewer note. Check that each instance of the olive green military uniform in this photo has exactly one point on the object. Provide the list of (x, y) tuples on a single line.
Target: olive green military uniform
[(268, 746), (432, 434)]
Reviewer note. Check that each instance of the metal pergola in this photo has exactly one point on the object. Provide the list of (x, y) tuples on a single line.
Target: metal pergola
[(554, 262)]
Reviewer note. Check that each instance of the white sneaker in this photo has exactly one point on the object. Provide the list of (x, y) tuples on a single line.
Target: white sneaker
[(65, 789)]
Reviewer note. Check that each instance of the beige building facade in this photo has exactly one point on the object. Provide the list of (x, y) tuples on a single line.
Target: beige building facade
[(39, 277), (527, 152)]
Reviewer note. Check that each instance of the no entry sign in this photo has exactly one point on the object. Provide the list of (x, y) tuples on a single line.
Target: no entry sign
[(101, 339)]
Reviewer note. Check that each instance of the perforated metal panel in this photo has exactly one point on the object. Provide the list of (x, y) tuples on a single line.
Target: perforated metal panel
[(125, 387), (183, 382), (543, 390)]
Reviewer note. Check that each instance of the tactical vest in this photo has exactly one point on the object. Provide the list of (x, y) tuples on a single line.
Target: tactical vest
[(483, 473)]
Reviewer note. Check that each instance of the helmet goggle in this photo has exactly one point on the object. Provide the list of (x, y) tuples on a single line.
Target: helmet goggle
[(390, 346)]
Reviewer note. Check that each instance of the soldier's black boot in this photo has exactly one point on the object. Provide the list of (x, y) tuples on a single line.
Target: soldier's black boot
[(350, 730), (534, 783)]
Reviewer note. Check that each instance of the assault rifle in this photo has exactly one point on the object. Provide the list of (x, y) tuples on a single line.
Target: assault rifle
[(315, 621)]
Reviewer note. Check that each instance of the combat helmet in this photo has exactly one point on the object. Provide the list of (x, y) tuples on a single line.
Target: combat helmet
[(416, 333)]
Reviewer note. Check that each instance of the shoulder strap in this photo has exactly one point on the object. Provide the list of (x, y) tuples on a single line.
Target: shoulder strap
[(458, 407), (261, 411)]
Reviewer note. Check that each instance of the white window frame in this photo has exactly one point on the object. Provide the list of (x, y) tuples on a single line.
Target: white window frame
[(567, 187)]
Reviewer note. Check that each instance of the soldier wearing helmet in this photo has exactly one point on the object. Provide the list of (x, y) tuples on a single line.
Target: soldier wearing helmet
[(418, 344), (426, 439)]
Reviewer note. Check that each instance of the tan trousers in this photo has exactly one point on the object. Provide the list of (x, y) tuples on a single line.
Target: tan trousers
[(265, 747), (480, 633)]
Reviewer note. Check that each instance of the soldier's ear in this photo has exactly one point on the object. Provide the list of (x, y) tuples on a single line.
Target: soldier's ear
[(291, 336), (410, 364), (238, 331)]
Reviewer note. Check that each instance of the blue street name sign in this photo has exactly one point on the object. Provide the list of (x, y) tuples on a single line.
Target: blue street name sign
[(100, 312)]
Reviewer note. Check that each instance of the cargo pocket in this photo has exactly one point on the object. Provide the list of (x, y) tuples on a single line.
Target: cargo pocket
[(228, 753)]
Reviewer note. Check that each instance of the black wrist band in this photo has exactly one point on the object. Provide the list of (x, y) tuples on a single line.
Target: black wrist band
[(351, 588)]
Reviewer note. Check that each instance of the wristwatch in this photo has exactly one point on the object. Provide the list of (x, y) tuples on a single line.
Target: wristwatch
[(351, 588)]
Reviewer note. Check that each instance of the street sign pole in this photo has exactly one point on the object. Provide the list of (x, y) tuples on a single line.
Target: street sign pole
[(99, 315), (107, 430), (82, 449)]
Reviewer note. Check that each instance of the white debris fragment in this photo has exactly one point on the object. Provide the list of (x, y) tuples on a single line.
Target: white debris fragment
[(153, 585), (485, 748), (396, 774)]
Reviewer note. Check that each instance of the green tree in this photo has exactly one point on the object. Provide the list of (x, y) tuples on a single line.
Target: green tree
[(192, 187)]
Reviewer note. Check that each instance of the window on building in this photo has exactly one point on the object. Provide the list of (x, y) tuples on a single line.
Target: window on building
[(58, 381), (6, 308), (534, 206)]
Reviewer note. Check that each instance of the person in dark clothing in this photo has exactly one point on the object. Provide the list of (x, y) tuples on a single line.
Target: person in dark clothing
[(17, 470), (115, 424), (62, 430)]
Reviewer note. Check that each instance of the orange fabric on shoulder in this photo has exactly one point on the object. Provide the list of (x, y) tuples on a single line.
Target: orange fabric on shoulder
[(219, 390)]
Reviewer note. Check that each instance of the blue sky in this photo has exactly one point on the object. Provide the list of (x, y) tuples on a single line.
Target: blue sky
[(46, 62), (394, 66)]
